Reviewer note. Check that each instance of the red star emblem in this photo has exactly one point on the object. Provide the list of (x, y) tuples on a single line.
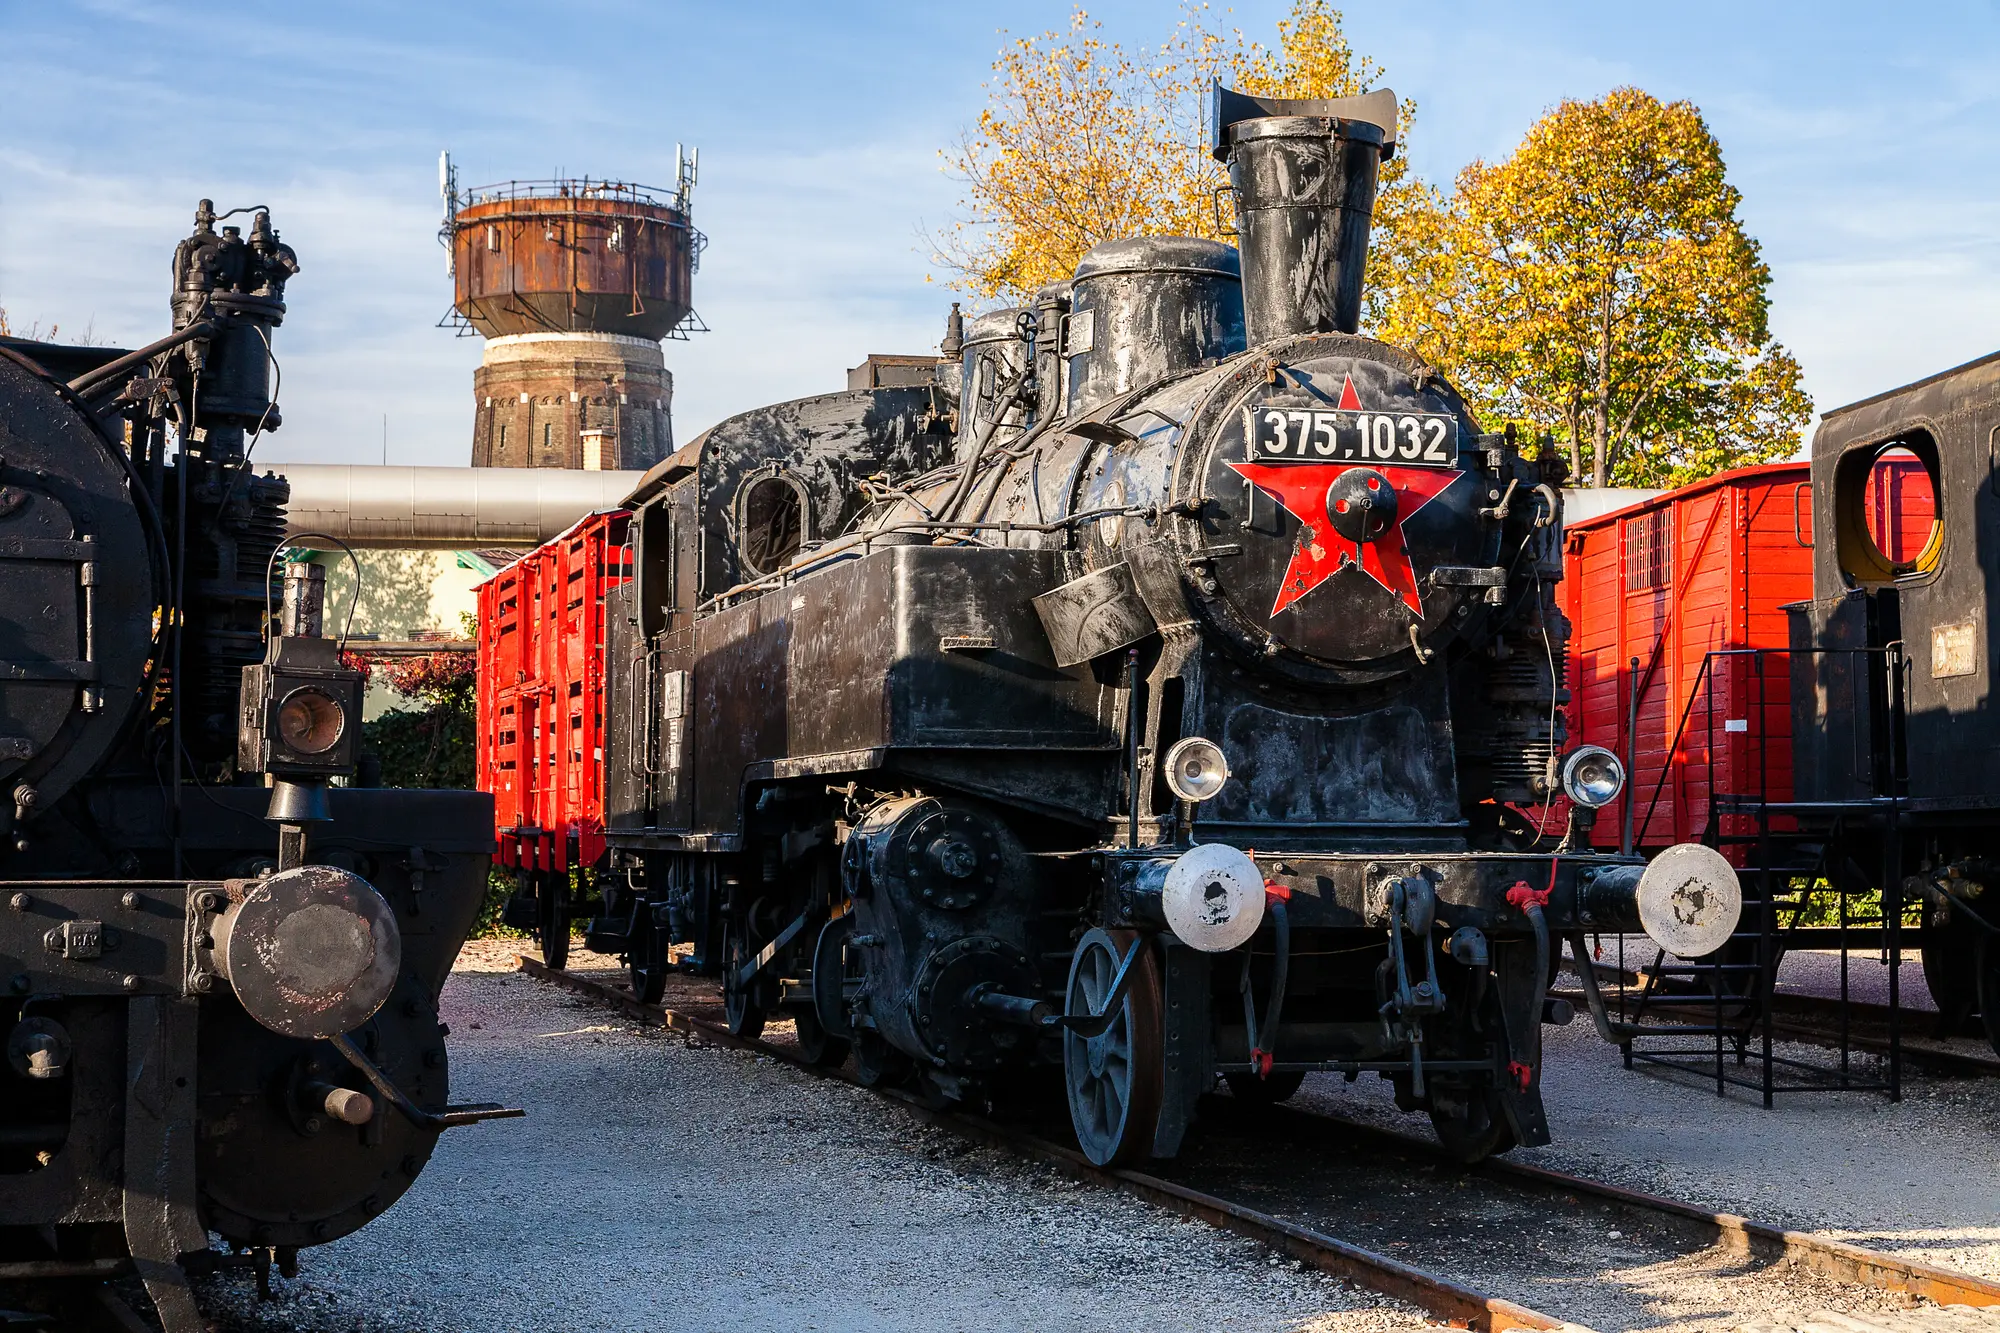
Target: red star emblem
[(1322, 552)]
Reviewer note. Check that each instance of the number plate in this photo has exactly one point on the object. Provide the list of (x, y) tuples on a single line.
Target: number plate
[(1404, 439)]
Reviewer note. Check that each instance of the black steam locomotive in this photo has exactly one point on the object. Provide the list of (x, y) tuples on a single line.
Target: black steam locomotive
[(211, 1025), (1155, 691)]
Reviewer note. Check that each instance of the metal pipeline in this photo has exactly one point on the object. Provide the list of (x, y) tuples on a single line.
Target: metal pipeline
[(446, 508)]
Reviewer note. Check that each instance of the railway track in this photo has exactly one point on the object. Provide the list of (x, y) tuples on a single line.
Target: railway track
[(1323, 1203)]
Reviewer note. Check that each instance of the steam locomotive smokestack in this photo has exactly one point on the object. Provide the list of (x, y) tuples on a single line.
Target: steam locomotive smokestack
[(1303, 171)]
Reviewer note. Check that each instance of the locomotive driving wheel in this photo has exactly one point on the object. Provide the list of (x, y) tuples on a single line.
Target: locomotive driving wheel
[(1116, 1079), (741, 1006), (817, 1046), (646, 957)]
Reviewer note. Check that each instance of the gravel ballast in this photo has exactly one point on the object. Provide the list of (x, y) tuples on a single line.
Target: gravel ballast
[(655, 1184), (659, 1184)]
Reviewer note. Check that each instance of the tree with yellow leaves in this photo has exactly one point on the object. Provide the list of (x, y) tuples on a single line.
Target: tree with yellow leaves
[(1082, 142), (1599, 284)]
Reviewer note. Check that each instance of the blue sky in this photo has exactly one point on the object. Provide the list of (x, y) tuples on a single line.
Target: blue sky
[(1862, 139)]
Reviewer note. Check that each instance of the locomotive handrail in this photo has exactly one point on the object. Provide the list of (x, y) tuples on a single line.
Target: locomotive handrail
[(854, 546), (83, 384), (1687, 711)]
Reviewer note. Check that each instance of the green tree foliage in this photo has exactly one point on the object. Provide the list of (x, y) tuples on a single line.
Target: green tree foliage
[(430, 746), (1599, 285)]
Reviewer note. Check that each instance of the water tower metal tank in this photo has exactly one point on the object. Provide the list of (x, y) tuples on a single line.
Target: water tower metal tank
[(573, 283)]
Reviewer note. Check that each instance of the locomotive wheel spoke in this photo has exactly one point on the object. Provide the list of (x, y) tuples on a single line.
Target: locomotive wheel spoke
[(1115, 1080)]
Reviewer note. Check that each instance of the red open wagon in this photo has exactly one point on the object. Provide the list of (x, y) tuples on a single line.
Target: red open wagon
[(541, 705)]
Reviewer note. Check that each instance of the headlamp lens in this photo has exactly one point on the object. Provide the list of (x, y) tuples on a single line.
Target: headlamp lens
[(1196, 769), (310, 721), (1592, 776)]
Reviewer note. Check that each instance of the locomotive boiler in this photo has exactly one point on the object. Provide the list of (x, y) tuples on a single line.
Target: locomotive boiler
[(1169, 691), (221, 968)]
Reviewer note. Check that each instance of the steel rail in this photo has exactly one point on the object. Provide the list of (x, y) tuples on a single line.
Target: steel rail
[(1835, 1259), (1839, 1260), (1457, 1305)]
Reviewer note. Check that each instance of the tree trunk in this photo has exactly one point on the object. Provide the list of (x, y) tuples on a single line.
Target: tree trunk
[(1600, 464)]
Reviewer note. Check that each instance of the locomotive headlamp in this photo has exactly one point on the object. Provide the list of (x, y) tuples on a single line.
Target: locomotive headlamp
[(1196, 769), (311, 721), (1592, 776), (300, 708)]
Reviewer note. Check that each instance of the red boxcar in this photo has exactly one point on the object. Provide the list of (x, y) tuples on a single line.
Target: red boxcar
[(1651, 590), (541, 694)]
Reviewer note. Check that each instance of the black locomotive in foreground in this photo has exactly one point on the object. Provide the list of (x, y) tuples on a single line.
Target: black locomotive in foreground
[(1153, 696), (218, 998)]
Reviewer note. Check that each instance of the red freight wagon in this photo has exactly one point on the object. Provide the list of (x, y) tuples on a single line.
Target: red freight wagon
[(541, 694), (1663, 584)]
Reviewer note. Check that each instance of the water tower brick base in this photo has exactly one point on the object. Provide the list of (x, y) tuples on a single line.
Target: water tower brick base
[(537, 394)]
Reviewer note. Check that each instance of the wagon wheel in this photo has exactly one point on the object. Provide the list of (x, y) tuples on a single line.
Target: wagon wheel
[(1951, 969), (552, 903), (876, 1062), (1115, 1080), (1469, 1122), (817, 1046), (744, 1015), (1281, 1084), (1989, 987), (646, 957)]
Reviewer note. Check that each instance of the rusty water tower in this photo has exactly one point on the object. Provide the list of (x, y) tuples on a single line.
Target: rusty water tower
[(573, 284)]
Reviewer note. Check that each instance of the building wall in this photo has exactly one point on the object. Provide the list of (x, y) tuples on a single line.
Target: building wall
[(535, 394)]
